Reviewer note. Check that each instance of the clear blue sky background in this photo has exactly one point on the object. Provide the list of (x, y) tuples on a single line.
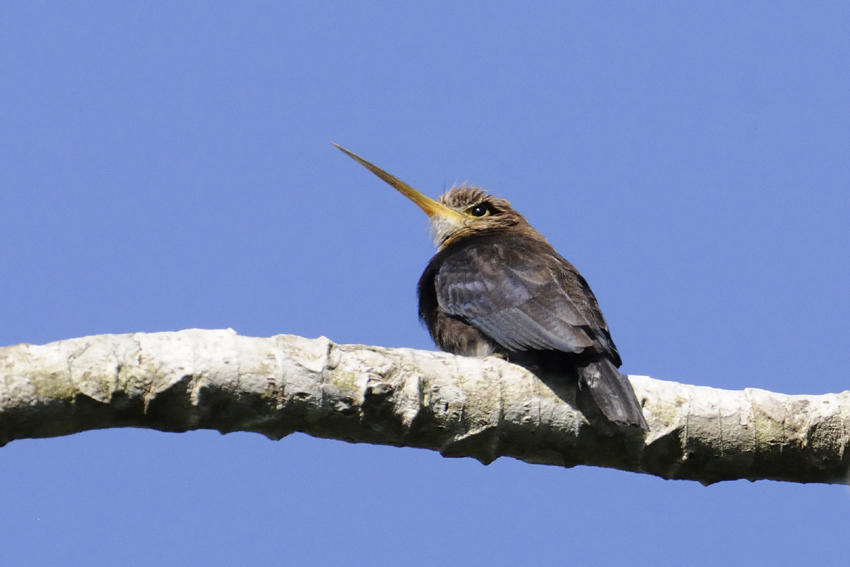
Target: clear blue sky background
[(167, 165)]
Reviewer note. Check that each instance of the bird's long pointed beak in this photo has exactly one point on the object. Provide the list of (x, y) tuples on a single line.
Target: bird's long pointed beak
[(431, 207)]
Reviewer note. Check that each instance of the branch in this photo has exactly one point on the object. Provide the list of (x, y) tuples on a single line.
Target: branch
[(462, 407)]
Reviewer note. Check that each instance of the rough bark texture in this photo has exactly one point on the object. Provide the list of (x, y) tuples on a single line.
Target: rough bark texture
[(481, 408)]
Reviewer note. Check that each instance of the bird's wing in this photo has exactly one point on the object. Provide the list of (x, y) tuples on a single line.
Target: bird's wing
[(523, 295)]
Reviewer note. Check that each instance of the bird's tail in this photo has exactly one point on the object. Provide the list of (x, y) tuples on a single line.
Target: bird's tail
[(612, 393)]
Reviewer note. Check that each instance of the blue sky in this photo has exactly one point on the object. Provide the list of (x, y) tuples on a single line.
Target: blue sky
[(168, 165)]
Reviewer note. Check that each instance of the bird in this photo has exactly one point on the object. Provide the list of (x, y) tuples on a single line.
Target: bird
[(497, 287)]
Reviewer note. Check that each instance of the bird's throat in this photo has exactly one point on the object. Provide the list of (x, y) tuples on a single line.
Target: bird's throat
[(445, 229)]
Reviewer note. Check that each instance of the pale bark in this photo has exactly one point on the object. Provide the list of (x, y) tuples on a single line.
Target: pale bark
[(481, 408)]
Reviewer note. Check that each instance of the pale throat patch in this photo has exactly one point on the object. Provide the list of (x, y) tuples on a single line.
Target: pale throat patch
[(442, 228)]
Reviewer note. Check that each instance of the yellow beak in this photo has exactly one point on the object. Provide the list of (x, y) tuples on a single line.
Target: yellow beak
[(431, 207)]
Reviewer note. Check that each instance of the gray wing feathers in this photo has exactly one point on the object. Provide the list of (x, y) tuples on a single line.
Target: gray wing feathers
[(522, 305)]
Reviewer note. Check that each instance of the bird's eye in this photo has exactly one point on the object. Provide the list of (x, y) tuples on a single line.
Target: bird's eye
[(480, 210)]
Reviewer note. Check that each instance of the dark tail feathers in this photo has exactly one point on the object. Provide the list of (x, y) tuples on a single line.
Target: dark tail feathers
[(612, 393)]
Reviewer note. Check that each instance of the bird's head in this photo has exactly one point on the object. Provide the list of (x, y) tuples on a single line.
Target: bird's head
[(462, 210)]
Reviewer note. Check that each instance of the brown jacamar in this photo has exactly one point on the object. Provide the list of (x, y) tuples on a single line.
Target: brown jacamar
[(496, 286)]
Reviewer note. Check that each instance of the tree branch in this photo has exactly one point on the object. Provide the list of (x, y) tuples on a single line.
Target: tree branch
[(481, 408)]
